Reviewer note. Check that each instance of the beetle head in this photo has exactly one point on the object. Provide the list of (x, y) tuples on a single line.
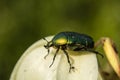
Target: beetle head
[(48, 45)]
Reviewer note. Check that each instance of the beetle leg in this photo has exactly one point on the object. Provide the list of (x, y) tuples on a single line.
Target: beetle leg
[(54, 57), (96, 52), (78, 49), (71, 67), (47, 54)]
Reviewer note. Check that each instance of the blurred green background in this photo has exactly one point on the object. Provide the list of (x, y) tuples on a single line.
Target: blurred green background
[(23, 22)]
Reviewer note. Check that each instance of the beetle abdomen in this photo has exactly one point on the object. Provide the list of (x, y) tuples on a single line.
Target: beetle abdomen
[(79, 39)]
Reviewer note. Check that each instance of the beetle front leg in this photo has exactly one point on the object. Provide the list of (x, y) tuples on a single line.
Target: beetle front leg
[(54, 57), (47, 54)]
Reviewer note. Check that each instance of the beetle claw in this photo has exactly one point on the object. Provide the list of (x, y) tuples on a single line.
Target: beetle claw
[(71, 68)]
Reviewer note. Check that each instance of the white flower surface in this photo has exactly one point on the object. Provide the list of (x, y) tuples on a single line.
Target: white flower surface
[(33, 66)]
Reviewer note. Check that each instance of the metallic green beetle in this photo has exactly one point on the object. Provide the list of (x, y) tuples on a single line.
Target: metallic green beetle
[(70, 41)]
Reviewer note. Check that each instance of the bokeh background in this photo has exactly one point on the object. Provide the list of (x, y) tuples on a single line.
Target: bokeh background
[(23, 22)]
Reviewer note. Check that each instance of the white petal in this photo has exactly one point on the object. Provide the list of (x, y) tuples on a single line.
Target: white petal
[(33, 66), (86, 67)]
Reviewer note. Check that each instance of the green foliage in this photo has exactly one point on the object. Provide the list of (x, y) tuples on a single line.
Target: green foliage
[(23, 22)]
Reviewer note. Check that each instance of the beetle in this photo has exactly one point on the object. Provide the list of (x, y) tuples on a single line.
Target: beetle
[(70, 41)]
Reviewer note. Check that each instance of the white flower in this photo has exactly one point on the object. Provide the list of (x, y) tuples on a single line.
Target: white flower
[(33, 66)]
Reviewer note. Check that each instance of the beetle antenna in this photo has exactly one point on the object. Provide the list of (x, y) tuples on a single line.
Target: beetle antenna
[(45, 39)]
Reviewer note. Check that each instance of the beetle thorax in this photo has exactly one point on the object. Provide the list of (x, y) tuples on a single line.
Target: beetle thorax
[(61, 41)]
